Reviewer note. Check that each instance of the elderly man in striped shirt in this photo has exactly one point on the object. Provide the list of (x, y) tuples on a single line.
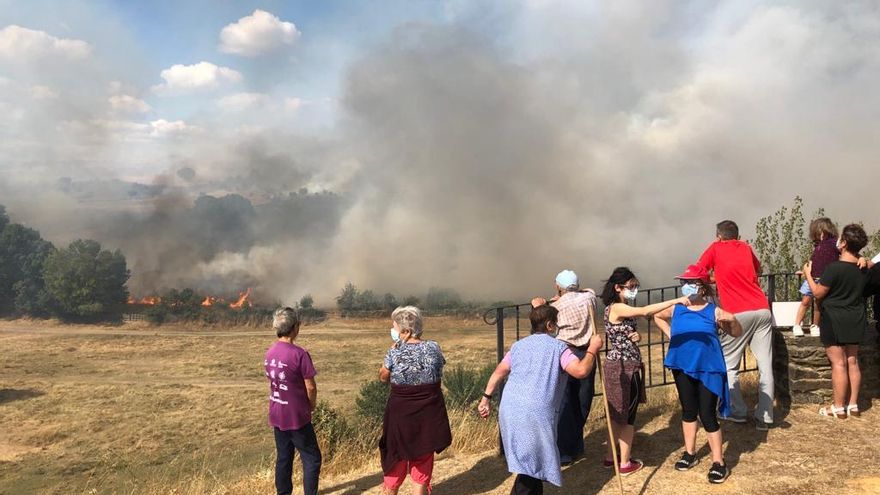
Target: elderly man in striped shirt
[(577, 308)]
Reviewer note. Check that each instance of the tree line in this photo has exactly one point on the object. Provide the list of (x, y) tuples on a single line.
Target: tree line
[(79, 282), (351, 301)]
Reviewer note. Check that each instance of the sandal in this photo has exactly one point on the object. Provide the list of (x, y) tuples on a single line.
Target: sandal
[(852, 411), (833, 412)]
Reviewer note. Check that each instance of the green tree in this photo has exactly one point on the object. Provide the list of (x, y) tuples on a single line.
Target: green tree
[(367, 301), (85, 281), (4, 219), (781, 242), (22, 254), (389, 301), (440, 299), (873, 244), (307, 302), (346, 301)]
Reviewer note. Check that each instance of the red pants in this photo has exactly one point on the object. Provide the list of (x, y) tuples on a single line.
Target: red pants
[(420, 471)]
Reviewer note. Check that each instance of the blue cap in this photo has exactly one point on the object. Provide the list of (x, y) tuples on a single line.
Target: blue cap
[(567, 279)]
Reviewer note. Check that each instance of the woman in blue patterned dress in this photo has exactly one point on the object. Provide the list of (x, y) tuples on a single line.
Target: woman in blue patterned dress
[(535, 369), (415, 425), (698, 366)]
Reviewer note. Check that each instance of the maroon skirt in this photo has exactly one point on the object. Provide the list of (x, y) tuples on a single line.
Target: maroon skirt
[(415, 424), (618, 382)]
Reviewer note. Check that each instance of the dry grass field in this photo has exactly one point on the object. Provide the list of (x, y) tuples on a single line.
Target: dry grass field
[(173, 410)]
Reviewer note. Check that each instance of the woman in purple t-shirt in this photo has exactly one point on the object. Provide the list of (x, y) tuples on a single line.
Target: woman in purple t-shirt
[(292, 398)]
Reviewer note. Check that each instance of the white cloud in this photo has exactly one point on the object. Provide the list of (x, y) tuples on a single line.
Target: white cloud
[(203, 75), (128, 104), (23, 44), (43, 93), (256, 34), (241, 101), (292, 103), (164, 128)]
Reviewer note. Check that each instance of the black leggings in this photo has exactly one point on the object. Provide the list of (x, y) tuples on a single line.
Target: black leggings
[(526, 485), (635, 392), (696, 399)]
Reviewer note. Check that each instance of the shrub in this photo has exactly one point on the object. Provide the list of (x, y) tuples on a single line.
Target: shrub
[(464, 386), (157, 314), (331, 427), (371, 400)]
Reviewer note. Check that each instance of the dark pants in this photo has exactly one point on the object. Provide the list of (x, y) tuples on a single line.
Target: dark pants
[(695, 400), (574, 410), (287, 443), (526, 485)]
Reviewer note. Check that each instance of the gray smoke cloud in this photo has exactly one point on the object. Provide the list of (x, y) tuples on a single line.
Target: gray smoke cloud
[(487, 152)]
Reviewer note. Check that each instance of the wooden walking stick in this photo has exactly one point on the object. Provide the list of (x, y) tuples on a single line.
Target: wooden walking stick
[(611, 438)]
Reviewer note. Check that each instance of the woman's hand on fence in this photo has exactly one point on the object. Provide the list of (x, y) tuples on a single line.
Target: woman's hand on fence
[(538, 301), (484, 408)]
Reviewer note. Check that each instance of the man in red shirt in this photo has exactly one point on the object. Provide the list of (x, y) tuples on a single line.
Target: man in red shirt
[(736, 269)]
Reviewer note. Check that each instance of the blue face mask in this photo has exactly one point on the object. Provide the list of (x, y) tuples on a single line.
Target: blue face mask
[(690, 290), (630, 294), (395, 335)]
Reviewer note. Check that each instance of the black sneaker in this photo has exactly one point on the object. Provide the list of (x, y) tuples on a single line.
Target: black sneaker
[(718, 473), (686, 462)]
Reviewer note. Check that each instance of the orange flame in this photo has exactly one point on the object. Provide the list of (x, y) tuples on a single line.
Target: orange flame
[(210, 301), (147, 301), (242, 301)]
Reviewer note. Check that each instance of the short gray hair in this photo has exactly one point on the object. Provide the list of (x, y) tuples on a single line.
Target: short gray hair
[(285, 321), (408, 318)]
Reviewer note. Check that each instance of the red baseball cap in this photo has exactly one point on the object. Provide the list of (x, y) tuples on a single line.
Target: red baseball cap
[(694, 272)]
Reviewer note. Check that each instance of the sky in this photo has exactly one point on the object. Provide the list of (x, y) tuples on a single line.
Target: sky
[(401, 145)]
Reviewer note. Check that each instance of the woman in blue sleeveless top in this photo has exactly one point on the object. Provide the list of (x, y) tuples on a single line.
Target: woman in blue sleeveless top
[(698, 366)]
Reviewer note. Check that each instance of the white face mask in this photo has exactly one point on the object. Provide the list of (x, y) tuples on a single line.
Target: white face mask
[(839, 245), (395, 335), (630, 294), (690, 290)]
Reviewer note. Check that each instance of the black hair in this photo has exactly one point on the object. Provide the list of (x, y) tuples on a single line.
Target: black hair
[(727, 230), (855, 238), (620, 276), (540, 316)]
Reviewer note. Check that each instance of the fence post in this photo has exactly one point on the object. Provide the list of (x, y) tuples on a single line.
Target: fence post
[(499, 328), (771, 289)]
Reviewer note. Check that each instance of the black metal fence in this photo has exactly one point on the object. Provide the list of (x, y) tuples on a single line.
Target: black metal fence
[(654, 344)]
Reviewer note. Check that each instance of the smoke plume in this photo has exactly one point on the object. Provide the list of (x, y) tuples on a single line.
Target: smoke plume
[(486, 152)]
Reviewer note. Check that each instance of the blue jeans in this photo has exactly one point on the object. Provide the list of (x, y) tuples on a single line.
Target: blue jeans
[(573, 412), (286, 445)]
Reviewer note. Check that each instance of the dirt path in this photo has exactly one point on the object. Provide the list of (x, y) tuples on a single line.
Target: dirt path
[(806, 454)]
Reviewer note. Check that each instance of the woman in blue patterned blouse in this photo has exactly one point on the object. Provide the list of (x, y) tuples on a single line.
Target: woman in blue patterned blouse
[(416, 425)]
